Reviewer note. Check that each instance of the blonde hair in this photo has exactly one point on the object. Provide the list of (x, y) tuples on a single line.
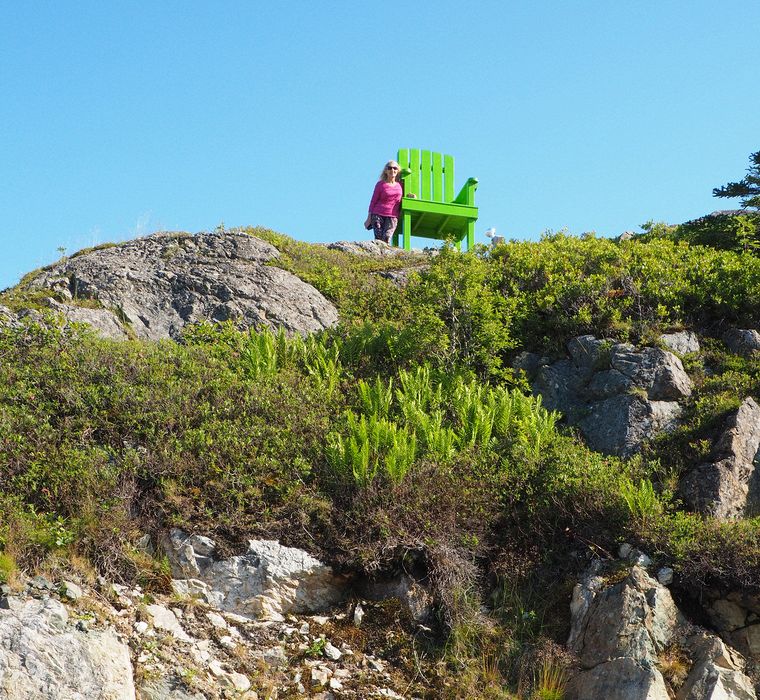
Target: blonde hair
[(384, 172)]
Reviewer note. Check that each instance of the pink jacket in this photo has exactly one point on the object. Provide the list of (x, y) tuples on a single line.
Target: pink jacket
[(386, 199)]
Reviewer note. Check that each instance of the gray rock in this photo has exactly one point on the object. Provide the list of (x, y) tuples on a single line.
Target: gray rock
[(166, 689), (560, 386), (717, 672), (162, 283), (617, 395), (633, 619), (413, 595), (103, 321), (742, 342), (619, 679), (590, 353), (269, 580), (726, 487), (624, 550), (682, 342), (44, 657), (608, 383), (617, 632), (530, 363), (736, 617), (618, 425), (370, 247), (658, 371)]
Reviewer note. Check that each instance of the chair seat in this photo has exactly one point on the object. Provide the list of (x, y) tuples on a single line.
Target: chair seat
[(439, 220)]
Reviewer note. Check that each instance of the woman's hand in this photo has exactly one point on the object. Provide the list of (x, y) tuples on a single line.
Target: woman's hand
[(368, 222)]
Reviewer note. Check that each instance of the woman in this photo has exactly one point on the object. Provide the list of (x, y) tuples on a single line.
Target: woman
[(385, 205)]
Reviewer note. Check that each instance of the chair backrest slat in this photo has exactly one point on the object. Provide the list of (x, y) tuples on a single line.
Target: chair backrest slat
[(403, 158), (448, 170), (437, 177), (426, 169), (414, 166)]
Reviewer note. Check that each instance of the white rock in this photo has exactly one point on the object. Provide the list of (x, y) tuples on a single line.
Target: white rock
[(375, 664), (71, 590), (216, 620), (200, 652), (239, 681), (164, 619), (268, 581), (140, 627), (227, 642), (358, 615), (320, 675), (45, 658), (216, 669), (332, 652), (240, 619)]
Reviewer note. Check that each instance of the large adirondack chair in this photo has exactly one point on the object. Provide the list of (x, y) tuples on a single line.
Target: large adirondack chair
[(434, 212)]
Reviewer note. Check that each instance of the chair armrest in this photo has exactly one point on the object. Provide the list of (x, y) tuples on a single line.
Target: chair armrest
[(467, 193), (404, 172)]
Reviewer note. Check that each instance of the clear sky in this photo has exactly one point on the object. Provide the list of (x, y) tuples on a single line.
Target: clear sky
[(120, 118)]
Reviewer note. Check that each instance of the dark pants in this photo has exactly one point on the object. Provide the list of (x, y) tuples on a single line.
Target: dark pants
[(384, 227)]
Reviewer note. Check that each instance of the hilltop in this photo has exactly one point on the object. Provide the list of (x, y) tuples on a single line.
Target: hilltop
[(436, 453)]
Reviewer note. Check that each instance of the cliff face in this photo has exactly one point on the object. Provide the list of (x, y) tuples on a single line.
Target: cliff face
[(159, 284)]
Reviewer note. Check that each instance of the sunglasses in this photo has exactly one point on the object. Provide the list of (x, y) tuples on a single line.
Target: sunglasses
[(391, 167)]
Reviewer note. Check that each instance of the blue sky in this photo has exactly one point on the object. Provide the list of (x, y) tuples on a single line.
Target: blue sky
[(118, 119)]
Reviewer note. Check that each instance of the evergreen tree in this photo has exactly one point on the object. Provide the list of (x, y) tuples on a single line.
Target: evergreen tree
[(748, 188)]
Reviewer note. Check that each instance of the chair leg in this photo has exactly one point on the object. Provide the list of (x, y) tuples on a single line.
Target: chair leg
[(470, 235), (394, 240), (407, 231)]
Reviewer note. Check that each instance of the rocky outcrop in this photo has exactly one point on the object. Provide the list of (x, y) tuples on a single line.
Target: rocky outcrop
[(621, 630), (370, 248), (736, 617), (726, 486), (269, 580), (45, 656), (617, 395), (7, 317), (73, 641), (617, 633), (162, 283)]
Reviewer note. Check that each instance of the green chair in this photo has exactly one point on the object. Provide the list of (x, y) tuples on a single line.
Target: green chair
[(434, 212)]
